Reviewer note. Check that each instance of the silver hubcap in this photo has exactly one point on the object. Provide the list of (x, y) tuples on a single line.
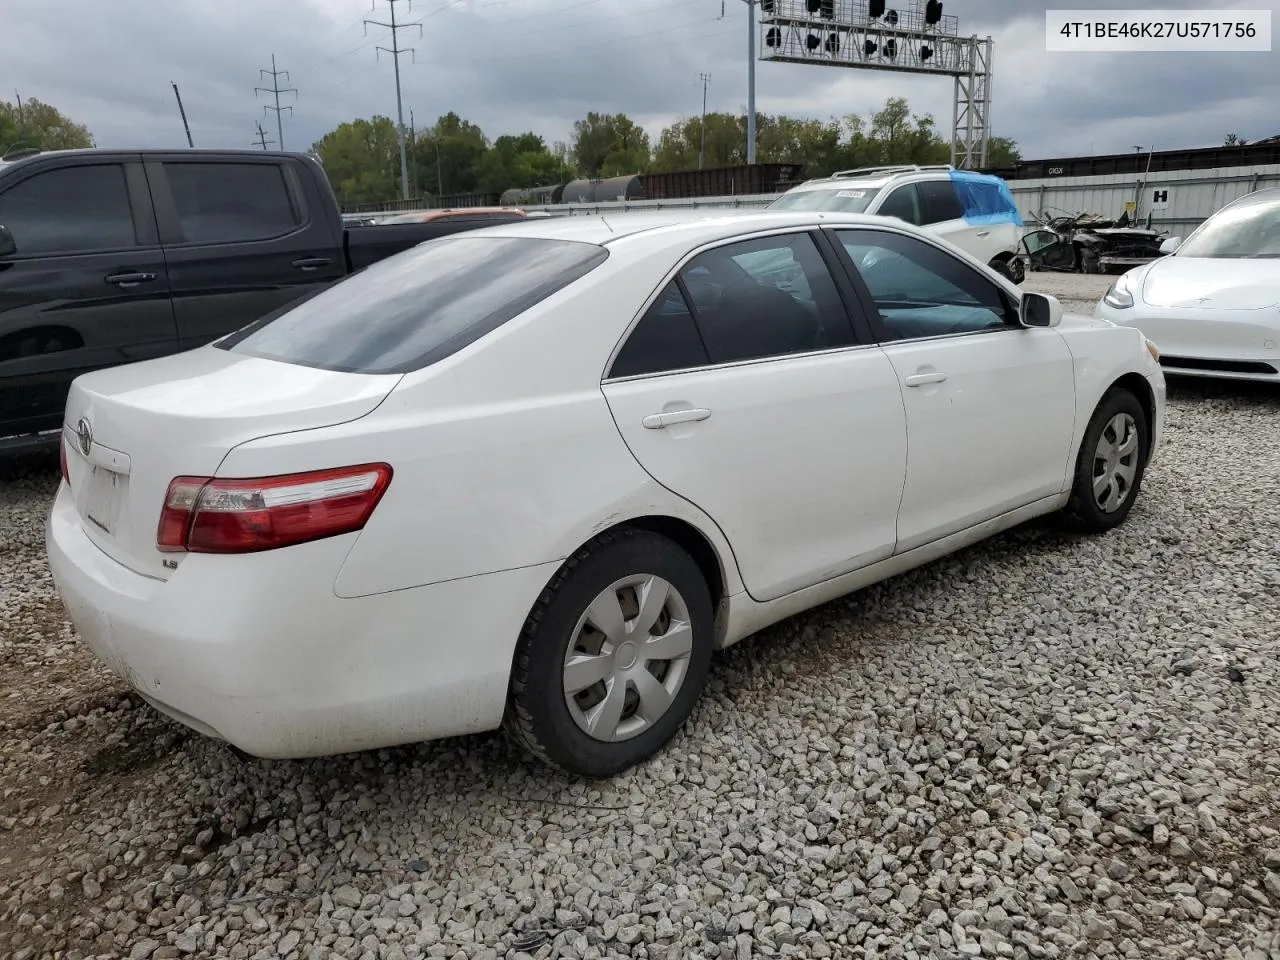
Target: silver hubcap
[(1115, 463), (628, 658)]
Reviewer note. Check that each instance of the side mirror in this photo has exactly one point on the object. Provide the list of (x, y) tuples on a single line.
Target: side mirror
[(1171, 244), (8, 246), (1039, 310)]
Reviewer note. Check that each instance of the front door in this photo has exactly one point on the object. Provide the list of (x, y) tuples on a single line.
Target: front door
[(745, 390), (86, 288), (990, 404)]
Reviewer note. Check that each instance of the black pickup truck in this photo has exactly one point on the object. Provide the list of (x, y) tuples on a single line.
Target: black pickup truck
[(113, 256)]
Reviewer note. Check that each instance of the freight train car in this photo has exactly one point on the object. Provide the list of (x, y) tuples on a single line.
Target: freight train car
[(1137, 163), (752, 178)]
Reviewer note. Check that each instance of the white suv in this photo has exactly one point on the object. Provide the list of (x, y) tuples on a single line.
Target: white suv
[(975, 211)]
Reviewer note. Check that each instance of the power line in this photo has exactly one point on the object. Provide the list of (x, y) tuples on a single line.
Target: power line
[(262, 135), (395, 50), (276, 89)]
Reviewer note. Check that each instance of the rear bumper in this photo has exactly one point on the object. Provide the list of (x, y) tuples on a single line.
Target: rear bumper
[(258, 650)]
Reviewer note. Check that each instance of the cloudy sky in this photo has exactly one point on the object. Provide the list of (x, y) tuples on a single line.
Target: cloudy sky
[(516, 65)]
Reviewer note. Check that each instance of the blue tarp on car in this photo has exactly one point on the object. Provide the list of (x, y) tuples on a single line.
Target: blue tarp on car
[(985, 199)]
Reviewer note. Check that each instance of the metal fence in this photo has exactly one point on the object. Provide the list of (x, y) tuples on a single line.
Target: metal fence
[(1171, 201)]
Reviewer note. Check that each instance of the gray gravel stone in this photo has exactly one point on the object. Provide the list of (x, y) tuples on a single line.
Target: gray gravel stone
[(1035, 749)]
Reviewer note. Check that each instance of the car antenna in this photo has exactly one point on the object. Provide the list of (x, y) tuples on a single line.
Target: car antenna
[(606, 223)]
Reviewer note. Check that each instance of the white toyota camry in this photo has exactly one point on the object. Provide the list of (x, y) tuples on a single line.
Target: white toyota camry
[(1213, 304), (538, 473)]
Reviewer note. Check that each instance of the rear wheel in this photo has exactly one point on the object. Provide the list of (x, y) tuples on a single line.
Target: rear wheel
[(613, 656), (1109, 469)]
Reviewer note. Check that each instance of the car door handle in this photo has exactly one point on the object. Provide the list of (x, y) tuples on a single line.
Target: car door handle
[(129, 279), (311, 263), (983, 233), (920, 379), (656, 421)]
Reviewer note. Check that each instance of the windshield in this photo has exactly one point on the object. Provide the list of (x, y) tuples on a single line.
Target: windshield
[(835, 200), (1250, 230), (419, 306)]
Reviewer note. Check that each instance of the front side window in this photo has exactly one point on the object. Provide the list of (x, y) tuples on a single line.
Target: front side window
[(74, 209), (902, 203), (231, 202), (768, 297), (1248, 230), (419, 306), (920, 291)]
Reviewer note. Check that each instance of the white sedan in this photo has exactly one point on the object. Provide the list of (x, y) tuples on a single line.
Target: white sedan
[(1213, 304), (536, 474)]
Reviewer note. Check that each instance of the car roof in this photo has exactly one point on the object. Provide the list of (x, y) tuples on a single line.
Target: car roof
[(686, 225)]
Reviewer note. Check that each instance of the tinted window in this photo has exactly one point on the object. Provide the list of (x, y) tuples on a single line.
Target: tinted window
[(938, 201), (227, 202), (920, 291), (901, 203), (665, 339), (419, 306), (67, 210), (765, 298)]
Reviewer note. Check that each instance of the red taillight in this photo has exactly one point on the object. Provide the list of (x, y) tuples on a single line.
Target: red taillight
[(205, 515), (62, 455)]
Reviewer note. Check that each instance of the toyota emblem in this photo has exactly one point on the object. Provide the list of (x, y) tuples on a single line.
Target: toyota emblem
[(84, 436)]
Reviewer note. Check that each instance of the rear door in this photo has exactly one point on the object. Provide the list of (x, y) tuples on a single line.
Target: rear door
[(243, 236), (87, 287), (942, 214), (745, 389)]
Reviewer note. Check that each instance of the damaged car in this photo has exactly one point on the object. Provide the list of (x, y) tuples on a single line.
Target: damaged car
[(1089, 243)]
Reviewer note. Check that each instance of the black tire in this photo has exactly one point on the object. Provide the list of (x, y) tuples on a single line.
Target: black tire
[(1003, 268), (538, 717), (1083, 512), (1089, 262), (1017, 270)]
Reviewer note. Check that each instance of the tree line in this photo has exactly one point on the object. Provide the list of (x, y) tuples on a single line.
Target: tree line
[(453, 156), (32, 123)]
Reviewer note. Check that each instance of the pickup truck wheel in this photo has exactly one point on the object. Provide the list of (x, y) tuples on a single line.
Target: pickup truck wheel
[(613, 657), (1110, 465)]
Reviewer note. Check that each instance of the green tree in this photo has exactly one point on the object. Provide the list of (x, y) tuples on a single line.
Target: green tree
[(362, 160), (520, 161), (609, 145), (447, 157), (39, 124)]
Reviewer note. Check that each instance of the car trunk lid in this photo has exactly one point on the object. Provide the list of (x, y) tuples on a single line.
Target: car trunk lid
[(130, 430)]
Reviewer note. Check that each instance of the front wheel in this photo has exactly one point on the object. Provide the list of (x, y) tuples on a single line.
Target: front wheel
[(613, 656), (1017, 271), (1109, 469)]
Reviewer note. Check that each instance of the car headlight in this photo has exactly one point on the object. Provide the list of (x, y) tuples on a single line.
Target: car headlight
[(1119, 294)]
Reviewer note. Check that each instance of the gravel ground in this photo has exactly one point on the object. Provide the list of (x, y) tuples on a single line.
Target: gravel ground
[(1041, 747)]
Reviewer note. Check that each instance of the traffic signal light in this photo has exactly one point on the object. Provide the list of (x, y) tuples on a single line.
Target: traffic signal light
[(828, 9), (891, 48), (833, 43), (812, 41), (774, 37), (933, 12), (875, 9), (813, 5), (891, 17), (926, 52), (766, 6)]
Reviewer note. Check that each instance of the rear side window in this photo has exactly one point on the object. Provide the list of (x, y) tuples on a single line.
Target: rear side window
[(231, 202), (938, 201), (901, 203), (666, 339), (73, 209), (419, 306)]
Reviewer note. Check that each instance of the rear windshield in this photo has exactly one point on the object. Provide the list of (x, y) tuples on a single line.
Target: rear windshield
[(419, 306), (835, 200)]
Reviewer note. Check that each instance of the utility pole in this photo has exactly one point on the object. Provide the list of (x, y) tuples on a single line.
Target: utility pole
[(262, 135), (183, 113), (751, 80), (276, 89), (413, 142), (395, 50), (702, 150)]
